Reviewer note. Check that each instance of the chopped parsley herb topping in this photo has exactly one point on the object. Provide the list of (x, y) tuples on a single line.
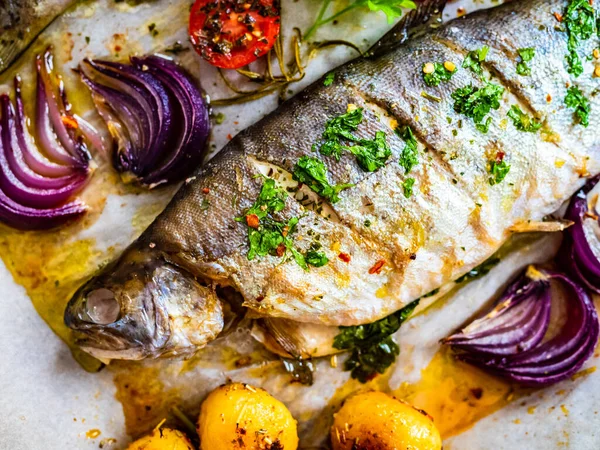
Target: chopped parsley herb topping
[(313, 172), (522, 121), (219, 118), (408, 187), (372, 345), (475, 58), (480, 270), (476, 102), (371, 154), (329, 79), (266, 235), (575, 99), (526, 55), (410, 154), (316, 259), (338, 128), (580, 22), (439, 74), (498, 169)]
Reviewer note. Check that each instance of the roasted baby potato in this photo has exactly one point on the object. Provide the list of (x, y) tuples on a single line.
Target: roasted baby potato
[(238, 416), (377, 421), (162, 439)]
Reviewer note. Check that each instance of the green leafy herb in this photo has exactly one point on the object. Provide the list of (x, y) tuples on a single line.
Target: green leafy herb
[(526, 55), (367, 223), (498, 169), (575, 99), (580, 23), (204, 205), (477, 103), (480, 270), (316, 259), (410, 153), (475, 58), (372, 154), (219, 118), (439, 74), (372, 345), (337, 128), (329, 79), (313, 172), (522, 121), (484, 127), (391, 8), (152, 29), (408, 187)]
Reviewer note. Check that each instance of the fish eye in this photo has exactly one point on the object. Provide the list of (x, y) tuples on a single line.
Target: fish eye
[(102, 307)]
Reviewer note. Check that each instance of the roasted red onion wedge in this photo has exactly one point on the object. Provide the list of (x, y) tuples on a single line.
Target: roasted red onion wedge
[(156, 114), (37, 184), (516, 340), (580, 251)]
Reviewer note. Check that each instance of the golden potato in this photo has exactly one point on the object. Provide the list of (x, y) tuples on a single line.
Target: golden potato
[(162, 439), (377, 421), (239, 416)]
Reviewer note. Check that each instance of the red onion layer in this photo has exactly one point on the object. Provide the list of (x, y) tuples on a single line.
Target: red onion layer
[(156, 114), (513, 340), (39, 178)]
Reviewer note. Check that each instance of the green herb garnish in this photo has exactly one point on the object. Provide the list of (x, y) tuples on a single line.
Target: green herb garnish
[(498, 169), (410, 153), (439, 74), (580, 23), (313, 172), (575, 99), (408, 187), (391, 8), (337, 128), (372, 345), (219, 118), (475, 58), (372, 154), (476, 103), (329, 79), (522, 121), (526, 55), (316, 259), (479, 271)]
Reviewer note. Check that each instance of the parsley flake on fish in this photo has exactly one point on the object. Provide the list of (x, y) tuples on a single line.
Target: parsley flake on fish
[(408, 187), (372, 154), (373, 347), (328, 81), (498, 169), (580, 23), (476, 102), (526, 55), (522, 121), (576, 100), (479, 271), (474, 59), (435, 73), (313, 173)]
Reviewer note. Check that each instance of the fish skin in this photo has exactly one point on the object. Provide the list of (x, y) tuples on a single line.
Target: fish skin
[(454, 220), (21, 21)]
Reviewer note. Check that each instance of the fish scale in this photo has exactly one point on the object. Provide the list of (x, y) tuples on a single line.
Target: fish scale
[(453, 221)]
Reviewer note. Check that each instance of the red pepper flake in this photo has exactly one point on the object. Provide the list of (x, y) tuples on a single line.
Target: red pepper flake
[(205, 190), (118, 48), (377, 267), (280, 250), (229, 137), (500, 157), (548, 98), (344, 257), (69, 122), (558, 16), (252, 221), (236, 123)]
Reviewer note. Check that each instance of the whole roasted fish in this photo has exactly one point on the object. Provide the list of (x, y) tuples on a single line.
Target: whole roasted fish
[(475, 180), (21, 21)]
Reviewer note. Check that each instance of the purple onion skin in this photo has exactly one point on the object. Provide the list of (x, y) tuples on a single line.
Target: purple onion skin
[(158, 145), (575, 255), (546, 362)]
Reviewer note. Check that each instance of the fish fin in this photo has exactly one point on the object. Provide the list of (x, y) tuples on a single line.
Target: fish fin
[(537, 226), (427, 14)]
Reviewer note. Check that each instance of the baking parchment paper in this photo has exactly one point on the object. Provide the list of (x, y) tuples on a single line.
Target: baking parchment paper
[(48, 402)]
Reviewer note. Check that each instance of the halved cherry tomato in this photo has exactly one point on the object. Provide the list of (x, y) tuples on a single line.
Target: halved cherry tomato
[(232, 33)]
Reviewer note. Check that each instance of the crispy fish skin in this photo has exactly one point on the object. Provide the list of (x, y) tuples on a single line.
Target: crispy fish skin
[(454, 220), (20, 23)]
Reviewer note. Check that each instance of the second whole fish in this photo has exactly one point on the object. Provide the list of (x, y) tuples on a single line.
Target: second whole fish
[(177, 287)]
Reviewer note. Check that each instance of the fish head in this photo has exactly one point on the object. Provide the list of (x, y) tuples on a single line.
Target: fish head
[(143, 306)]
